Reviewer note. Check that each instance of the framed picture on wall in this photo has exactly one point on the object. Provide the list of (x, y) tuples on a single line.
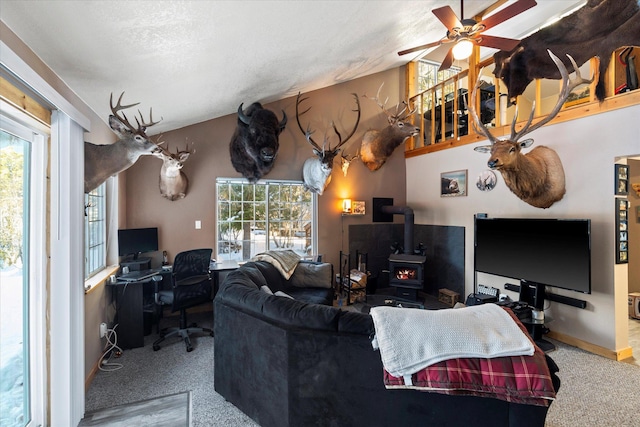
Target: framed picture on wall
[(621, 180), (453, 184), (622, 218)]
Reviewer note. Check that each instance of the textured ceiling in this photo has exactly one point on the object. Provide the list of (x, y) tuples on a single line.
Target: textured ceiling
[(197, 60)]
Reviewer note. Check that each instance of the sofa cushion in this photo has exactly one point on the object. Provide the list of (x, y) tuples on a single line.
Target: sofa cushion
[(312, 275), (271, 275)]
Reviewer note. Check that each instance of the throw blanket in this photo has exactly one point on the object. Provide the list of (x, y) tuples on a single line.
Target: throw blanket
[(517, 379), (285, 260), (410, 339)]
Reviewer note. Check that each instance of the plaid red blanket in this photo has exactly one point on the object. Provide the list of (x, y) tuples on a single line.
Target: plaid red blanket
[(517, 379)]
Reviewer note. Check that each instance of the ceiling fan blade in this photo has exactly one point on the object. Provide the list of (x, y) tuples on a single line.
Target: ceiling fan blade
[(507, 13), (500, 43), (421, 47), (446, 15), (447, 61)]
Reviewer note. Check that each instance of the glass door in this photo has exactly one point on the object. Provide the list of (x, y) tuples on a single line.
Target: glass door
[(21, 279)]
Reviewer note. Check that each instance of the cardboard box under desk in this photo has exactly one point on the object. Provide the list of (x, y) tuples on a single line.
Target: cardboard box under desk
[(448, 297)]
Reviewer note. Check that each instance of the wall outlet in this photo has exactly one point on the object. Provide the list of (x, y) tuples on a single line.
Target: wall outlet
[(198, 224), (103, 329)]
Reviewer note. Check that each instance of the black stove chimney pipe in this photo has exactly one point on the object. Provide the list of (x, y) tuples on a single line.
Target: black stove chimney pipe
[(408, 224)]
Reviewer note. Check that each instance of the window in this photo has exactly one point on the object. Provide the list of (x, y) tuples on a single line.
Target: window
[(94, 231), (253, 218), (22, 170)]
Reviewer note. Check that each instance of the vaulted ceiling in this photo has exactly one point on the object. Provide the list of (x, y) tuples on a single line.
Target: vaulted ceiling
[(197, 60)]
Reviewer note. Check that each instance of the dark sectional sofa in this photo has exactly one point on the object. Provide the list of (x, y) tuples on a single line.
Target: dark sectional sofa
[(287, 362)]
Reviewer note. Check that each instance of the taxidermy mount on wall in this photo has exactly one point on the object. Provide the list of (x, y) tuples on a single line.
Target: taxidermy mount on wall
[(103, 161), (378, 145), (316, 171), (254, 144), (536, 177), (596, 29), (173, 182)]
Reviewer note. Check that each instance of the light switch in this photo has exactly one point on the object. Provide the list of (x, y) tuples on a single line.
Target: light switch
[(198, 224)]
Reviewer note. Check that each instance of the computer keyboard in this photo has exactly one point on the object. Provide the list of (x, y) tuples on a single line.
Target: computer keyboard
[(134, 276)]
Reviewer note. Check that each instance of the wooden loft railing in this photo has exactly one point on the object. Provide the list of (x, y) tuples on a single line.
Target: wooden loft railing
[(456, 128)]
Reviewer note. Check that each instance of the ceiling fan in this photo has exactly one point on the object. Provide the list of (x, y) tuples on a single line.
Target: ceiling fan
[(463, 33)]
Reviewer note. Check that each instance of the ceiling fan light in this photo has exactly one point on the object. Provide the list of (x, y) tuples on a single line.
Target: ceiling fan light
[(462, 49)]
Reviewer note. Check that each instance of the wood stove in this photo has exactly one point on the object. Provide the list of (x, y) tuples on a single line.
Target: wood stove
[(406, 274)]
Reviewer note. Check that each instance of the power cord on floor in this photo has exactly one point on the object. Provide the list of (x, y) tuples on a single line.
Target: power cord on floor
[(105, 364)]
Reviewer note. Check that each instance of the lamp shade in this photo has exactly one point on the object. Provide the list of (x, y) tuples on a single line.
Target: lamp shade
[(462, 49), (346, 205)]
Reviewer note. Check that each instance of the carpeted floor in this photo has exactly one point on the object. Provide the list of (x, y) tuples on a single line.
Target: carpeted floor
[(595, 391), (146, 374)]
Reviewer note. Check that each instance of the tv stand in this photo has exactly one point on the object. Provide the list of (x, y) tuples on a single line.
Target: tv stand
[(137, 264)]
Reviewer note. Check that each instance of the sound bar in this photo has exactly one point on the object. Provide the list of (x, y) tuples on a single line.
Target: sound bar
[(566, 300), (512, 287), (574, 302)]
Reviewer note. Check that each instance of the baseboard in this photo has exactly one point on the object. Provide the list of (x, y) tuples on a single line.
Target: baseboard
[(91, 376), (592, 348)]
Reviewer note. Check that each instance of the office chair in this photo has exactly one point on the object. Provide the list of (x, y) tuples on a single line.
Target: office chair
[(190, 286)]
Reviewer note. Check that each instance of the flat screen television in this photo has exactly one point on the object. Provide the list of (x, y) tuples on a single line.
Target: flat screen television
[(545, 252), (134, 241)]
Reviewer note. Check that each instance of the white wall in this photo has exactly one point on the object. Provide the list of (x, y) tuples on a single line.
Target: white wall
[(588, 148)]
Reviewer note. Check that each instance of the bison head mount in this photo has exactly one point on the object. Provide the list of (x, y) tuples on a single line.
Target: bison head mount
[(255, 142)]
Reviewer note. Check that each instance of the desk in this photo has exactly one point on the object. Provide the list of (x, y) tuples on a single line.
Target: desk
[(216, 268), (130, 309)]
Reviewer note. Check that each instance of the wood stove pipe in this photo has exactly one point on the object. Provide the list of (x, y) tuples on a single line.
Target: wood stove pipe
[(408, 224)]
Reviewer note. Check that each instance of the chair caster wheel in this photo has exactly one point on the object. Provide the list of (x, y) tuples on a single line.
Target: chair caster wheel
[(189, 349), (156, 347), (211, 333)]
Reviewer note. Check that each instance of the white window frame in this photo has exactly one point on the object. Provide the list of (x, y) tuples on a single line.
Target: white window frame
[(242, 181), (95, 251), (21, 125)]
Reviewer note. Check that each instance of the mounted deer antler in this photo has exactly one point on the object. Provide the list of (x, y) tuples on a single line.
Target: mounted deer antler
[(103, 161), (536, 177), (378, 145), (316, 171), (173, 182)]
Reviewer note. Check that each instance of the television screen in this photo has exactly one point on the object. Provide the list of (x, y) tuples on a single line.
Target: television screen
[(552, 252), (134, 241)]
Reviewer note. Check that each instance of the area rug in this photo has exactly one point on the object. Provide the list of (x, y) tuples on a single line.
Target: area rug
[(173, 410)]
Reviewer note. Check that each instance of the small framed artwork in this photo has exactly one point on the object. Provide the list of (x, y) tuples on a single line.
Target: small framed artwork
[(487, 180), (358, 207), (453, 184), (621, 180), (622, 236)]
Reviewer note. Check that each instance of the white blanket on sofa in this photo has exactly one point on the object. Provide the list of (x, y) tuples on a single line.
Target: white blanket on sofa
[(284, 260), (411, 339)]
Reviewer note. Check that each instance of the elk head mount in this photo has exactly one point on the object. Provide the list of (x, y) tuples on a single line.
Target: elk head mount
[(378, 145), (536, 177), (103, 161), (316, 171), (173, 182)]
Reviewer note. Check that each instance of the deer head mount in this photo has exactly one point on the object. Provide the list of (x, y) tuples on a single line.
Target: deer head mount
[(173, 182), (378, 145), (316, 171), (103, 161), (536, 177)]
